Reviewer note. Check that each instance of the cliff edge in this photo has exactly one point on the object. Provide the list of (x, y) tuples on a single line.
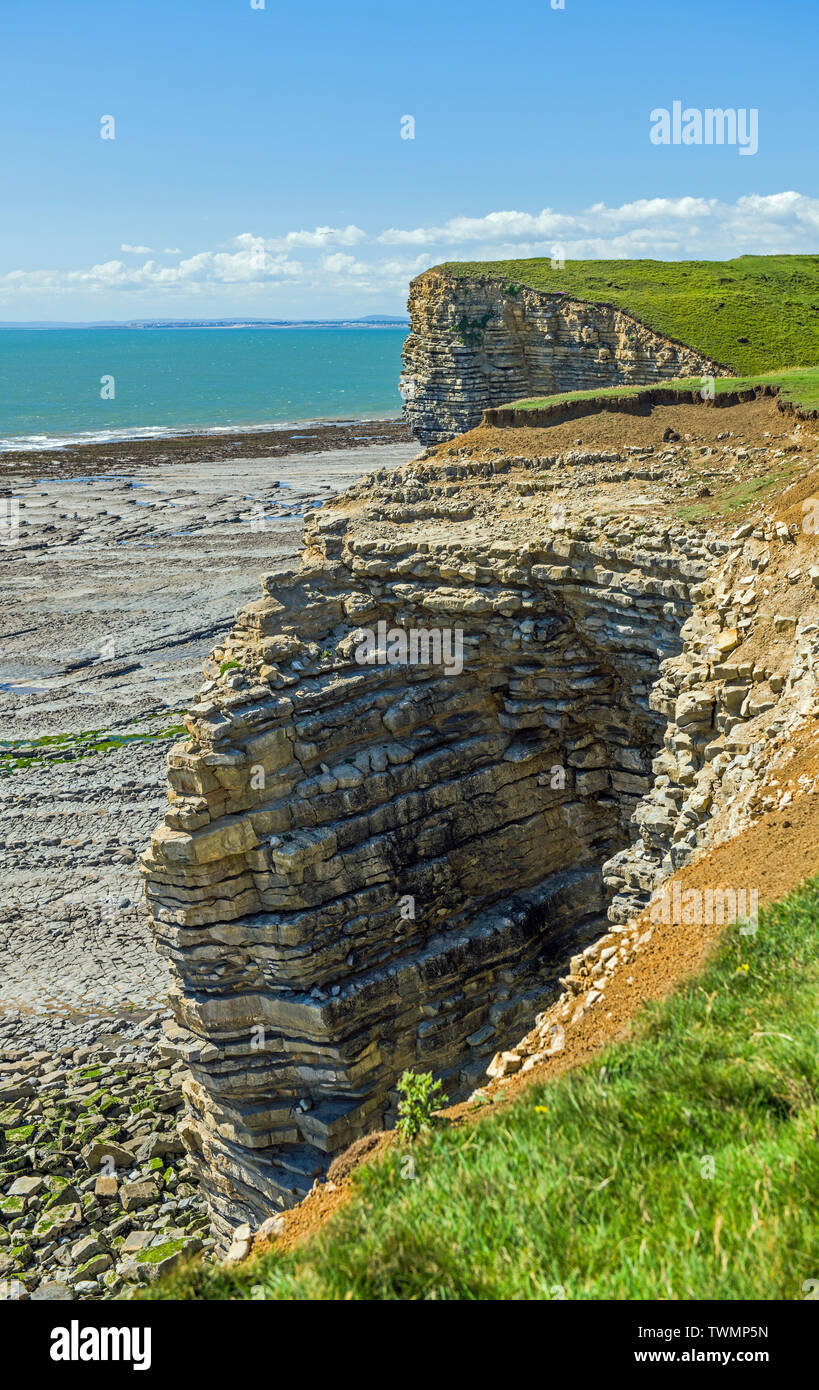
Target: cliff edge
[(475, 344), (484, 333)]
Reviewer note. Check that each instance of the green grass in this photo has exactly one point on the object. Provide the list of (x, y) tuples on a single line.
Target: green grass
[(800, 385), (682, 1164), (18, 754), (737, 497), (772, 301)]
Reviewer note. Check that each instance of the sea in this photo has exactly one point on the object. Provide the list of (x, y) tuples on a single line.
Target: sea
[(63, 386)]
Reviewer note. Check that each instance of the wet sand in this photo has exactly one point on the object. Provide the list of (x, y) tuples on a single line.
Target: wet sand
[(310, 438)]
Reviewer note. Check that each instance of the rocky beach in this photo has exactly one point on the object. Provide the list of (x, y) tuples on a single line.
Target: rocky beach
[(122, 566)]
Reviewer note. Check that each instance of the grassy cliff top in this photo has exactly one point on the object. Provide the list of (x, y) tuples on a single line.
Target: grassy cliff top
[(800, 386), (751, 314)]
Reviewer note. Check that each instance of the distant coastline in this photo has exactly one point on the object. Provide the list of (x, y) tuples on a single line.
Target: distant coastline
[(370, 321)]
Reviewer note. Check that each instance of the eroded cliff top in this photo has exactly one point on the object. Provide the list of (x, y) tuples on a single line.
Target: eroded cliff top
[(685, 467)]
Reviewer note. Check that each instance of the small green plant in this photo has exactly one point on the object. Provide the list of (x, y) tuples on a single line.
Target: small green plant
[(63, 748), (471, 332), (228, 666), (421, 1096)]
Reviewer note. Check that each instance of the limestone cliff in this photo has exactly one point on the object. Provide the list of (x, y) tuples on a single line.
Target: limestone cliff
[(748, 671), (475, 344), (501, 697), (742, 704), (373, 861)]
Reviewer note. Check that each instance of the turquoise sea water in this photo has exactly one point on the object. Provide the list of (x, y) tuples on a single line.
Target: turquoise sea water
[(168, 380)]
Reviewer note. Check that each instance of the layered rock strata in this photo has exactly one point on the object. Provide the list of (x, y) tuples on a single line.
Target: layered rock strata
[(476, 343), (373, 862), (748, 669), (758, 766), (741, 704)]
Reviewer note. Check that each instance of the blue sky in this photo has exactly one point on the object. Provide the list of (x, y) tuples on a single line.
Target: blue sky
[(258, 165)]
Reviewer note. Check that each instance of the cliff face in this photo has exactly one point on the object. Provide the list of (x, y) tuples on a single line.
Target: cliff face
[(501, 697), (475, 344), (747, 673), (378, 864)]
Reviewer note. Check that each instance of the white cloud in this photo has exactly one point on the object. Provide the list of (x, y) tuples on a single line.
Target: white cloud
[(251, 265), (339, 264), (326, 236), (686, 226), (778, 209), (495, 226), (172, 251), (317, 240), (681, 209)]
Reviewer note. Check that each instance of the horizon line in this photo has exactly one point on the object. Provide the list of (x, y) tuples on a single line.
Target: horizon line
[(186, 320)]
